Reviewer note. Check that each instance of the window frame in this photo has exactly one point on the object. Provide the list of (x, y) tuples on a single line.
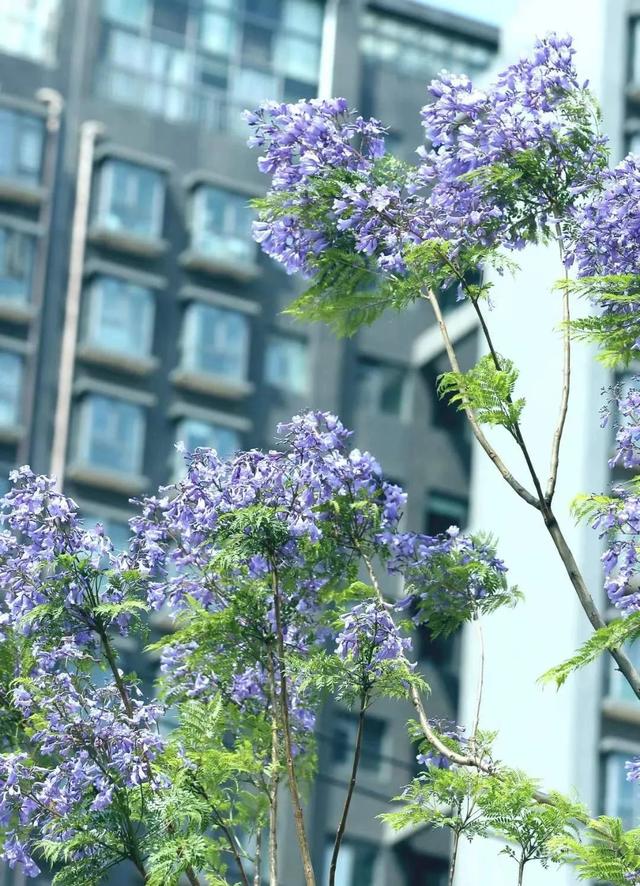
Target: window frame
[(11, 231), (189, 345), (94, 308), (17, 391), (105, 192), (84, 435), (201, 235), (277, 335)]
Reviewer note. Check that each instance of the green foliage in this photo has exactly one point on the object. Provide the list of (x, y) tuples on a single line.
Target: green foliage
[(616, 330), (445, 592), (485, 390), (511, 807), (442, 798), (605, 852), (612, 636)]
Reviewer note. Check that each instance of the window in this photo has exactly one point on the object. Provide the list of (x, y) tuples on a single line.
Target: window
[(203, 62), (126, 12), (286, 364), (16, 264), (356, 863), (11, 370), (419, 50), (215, 341), (130, 198), (30, 28), (196, 434), (443, 511), (381, 387), (21, 139), (634, 60), (622, 798), (633, 143), (221, 224), (111, 434), (344, 742), (119, 316)]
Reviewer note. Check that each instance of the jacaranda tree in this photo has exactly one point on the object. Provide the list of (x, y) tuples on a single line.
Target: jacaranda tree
[(268, 567)]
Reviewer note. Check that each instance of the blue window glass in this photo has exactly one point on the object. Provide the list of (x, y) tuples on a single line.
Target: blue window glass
[(17, 251), (21, 140), (111, 434), (130, 198), (286, 363), (215, 341), (11, 372), (221, 224), (196, 434), (120, 316)]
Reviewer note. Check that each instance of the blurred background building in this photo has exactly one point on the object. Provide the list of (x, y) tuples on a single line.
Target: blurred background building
[(136, 311)]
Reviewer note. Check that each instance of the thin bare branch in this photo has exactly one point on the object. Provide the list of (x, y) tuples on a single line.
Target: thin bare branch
[(352, 784), (566, 380), (473, 422), (476, 721), (541, 504), (298, 815), (275, 777)]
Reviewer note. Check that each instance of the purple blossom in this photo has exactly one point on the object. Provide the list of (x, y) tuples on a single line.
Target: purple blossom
[(369, 636)]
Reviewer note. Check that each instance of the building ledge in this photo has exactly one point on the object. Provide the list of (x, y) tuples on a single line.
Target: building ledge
[(114, 360), (194, 260), (11, 433), (16, 311), (625, 712), (124, 241), (14, 191), (215, 385), (115, 481)]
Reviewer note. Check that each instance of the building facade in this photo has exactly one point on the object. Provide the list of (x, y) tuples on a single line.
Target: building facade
[(136, 311)]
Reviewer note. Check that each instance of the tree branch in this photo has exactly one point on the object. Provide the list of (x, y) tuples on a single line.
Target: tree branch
[(298, 814), (275, 776), (541, 504), (566, 380), (473, 422), (352, 783)]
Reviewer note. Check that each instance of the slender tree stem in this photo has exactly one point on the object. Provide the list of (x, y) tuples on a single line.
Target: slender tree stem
[(541, 504), (471, 416), (521, 865), (566, 377), (476, 721), (352, 784), (454, 856), (275, 776), (257, 873), (233, 846), (298, 814), (418, 704)]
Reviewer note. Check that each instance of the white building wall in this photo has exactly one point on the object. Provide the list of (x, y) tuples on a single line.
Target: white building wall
[(551, 735)]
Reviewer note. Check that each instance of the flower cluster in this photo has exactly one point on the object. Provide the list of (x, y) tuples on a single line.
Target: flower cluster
[(627, 440), (618, 520), (302, 141), (607, 229), (499, 167), (47, 556), (530, 123), (369, 636), (96, 748)]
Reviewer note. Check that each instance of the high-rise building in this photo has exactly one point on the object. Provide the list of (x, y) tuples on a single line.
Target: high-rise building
[(135, 309)]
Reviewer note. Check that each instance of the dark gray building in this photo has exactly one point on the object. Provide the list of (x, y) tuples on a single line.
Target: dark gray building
[(136, 311)]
